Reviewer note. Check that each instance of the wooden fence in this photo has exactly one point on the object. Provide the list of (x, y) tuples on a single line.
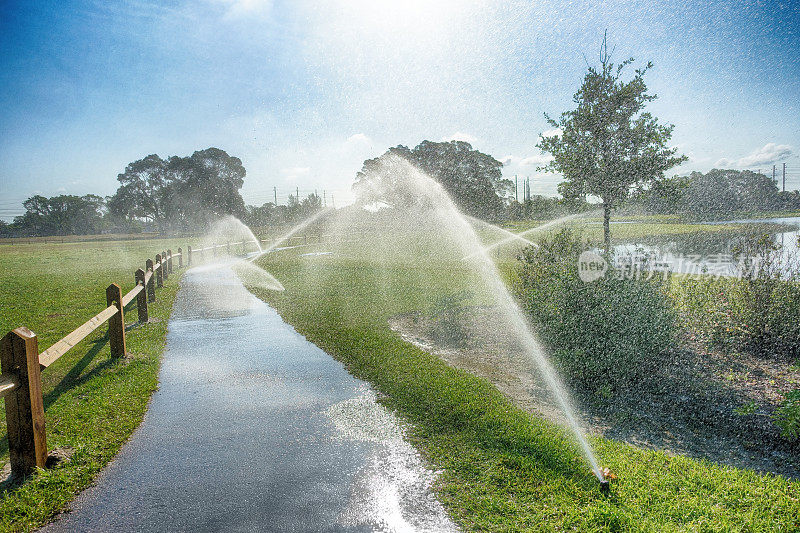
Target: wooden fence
[(22, 363)]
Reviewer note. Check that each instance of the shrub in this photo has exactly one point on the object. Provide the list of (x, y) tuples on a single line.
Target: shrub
[(757, 312), (787, 416), (449, 313), (602, 334)]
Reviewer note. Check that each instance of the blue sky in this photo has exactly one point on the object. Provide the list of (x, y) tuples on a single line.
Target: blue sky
[(304, 91)]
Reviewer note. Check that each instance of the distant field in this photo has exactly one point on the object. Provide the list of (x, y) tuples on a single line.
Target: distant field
[(92, 404), (640, 227)]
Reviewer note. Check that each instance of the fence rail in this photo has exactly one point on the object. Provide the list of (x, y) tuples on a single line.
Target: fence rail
[(51, 355), (21, 363)]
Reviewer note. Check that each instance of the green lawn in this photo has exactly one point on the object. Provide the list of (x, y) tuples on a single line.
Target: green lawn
[(92, 403), (501, 468), (652, 226)]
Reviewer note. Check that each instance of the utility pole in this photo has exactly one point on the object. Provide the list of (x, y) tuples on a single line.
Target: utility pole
[(333, 203), (297, 193), (516, 188), (275, 192), (784, 177), (324, 198)]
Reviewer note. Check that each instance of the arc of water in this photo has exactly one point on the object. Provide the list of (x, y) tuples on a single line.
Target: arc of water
[(510, 236), (520, 235)]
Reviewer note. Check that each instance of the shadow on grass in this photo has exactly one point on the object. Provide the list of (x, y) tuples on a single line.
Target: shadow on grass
[(72, 379)]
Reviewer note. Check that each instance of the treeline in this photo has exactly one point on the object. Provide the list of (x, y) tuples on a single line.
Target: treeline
[(59, 215), (716, 194), (158, 195), (473, 179), (271, 214)]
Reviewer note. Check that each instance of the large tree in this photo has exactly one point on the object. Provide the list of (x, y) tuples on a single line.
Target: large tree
[(180, 191), (207, 184), (472, 178), (722, 192), (142, 191), (608, 145)]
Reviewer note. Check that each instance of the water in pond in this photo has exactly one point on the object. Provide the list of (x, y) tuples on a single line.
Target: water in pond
[(711, 252)]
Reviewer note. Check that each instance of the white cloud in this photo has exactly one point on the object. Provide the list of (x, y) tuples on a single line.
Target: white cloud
[(554, 132), (294, 173), (509, 159), (536, 160), (461, 136), (769, 154), (358, 139)]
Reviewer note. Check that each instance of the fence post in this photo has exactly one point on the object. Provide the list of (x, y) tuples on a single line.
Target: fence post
[(180, 258), (151, 285), (141, 298), (305, 238), (116, 324), (228, 248), (159, 273), (27, 439), (165, 269), (169, 261), (188, 255)]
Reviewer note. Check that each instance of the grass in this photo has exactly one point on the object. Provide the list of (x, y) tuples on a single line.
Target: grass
[(92, 402), (653, 226), (502, 469)]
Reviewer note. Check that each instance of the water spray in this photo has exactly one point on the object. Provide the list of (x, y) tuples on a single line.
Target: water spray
[(520, 236)]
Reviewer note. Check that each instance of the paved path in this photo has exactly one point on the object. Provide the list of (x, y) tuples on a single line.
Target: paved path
[(256, 429)]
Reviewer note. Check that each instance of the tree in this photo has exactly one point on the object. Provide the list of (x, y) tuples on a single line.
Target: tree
[(142, 191), (207, 184), (473, 179), (721, 192), (180, 191), (608, 145), (60, 215), (663, 196)]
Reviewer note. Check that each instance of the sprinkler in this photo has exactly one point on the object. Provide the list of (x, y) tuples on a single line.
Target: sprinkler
[(605, 475)]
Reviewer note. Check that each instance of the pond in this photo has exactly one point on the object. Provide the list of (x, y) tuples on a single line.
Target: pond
[(704, 252)]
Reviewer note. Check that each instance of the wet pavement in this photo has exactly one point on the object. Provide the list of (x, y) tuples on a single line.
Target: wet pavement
[(254, 428)]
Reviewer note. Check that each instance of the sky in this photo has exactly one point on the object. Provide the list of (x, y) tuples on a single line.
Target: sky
[(304, 91)]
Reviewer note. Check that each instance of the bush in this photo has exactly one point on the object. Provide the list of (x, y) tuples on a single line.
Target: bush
[(787, 416), (449, 318), (601, 334), (757, 312)]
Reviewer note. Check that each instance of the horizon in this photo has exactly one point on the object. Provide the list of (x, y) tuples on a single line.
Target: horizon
[(304, 92)]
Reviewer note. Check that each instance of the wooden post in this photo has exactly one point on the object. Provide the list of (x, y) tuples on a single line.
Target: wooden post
[(27, 439), (151, 285), (180, 258), (305, 238), (159, 272), (169, 261), (188, 255), (228, 248), (165, 269), (116, 324), (141, 298)]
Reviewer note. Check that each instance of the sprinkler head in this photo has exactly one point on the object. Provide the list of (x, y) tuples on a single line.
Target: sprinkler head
[(605, 487)]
